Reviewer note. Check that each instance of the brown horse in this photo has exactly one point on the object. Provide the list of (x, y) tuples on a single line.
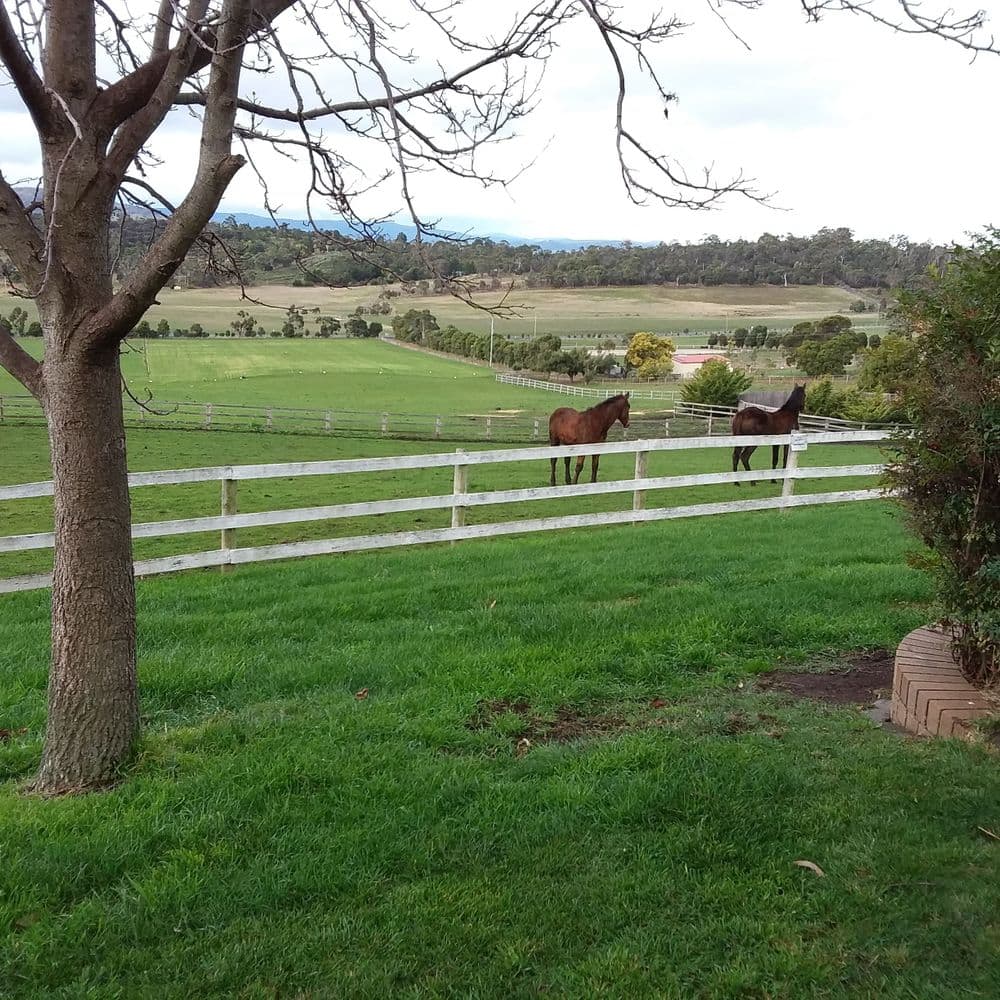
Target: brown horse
[(569, 426), (754, 420)]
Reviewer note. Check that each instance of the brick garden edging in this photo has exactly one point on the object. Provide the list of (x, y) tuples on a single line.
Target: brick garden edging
[(930, 697)]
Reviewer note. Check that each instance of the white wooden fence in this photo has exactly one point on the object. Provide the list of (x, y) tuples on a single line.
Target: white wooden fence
[(721, 417), (587, 391), (228, 521)]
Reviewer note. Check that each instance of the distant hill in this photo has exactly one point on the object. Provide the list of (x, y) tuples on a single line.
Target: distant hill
[(287, 250), (391, 230)]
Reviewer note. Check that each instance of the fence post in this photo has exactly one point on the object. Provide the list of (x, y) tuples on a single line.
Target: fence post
[(489, 428), (437, 427), (666, 428), (798, 443), (228, 540), (328, 421), (460, 485), (385, 423), (208, 417), (270, 418), (709, 423), (639, 496), (536, 428)]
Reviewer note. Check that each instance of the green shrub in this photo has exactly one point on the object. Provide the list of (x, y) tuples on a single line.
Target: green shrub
[(947, 471), (716, 384)]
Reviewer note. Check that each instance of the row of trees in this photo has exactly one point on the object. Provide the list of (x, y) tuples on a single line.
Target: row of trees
[(543, 354), (294, 325), (305, 257)]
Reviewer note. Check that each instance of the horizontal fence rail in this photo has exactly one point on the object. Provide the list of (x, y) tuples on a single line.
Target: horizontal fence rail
[(722, 416), (500, 427), (586, 391), (228, 521)]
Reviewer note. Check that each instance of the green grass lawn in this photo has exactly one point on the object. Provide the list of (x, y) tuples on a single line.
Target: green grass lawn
[(365, 375), (279, 837)]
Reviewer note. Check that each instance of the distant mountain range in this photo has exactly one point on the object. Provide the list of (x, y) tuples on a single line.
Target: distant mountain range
[(389, 229), (392, 229)]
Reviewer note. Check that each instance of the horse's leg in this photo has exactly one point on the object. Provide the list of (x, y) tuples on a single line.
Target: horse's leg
[(579, 468), (594, 461), (553, 479), (568, 480), (747, 452)]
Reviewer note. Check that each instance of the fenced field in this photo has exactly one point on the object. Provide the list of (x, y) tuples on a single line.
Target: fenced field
[(460, 499)]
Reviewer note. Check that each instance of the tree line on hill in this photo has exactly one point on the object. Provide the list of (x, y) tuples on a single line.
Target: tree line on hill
[(283, 254)]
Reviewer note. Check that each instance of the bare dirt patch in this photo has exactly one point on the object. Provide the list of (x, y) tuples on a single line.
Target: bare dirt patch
[(566, 724), (858, 678)]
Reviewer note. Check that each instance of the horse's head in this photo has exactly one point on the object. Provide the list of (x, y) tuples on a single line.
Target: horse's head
[(797, 400), (623, 412)]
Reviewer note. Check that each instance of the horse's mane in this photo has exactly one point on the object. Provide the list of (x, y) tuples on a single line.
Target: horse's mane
[(605, 402), (796, 400)]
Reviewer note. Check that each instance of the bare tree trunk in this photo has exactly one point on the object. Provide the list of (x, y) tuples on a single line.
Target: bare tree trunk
[(93, 714)]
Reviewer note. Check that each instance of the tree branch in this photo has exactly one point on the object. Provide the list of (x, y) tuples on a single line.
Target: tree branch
[(216, 168), (192, 53), (22, 71), (448, 82), (19, 237), (19, 362)]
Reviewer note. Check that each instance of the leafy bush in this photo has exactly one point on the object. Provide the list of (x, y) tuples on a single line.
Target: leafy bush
[(716, 384), (829, 357), (824, 400), (650, 355), (947, 471)]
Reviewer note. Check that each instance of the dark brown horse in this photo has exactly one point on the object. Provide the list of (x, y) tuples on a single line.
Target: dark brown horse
[(569, 426), (754, 420)]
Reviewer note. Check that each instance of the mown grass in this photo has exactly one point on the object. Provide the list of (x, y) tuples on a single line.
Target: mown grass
[(277, 836), (366, 375), (27, 450)]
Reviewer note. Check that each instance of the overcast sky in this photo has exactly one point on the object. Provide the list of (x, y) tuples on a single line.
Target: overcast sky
[(848, 125)]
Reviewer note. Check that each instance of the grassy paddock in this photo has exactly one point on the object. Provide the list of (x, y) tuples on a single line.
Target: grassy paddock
[(278, 836), (586, 311)]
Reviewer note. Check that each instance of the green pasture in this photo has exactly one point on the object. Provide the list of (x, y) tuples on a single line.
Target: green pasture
[(356, 375), (589, 313), (332, 797), (26, 450), (365, 375)]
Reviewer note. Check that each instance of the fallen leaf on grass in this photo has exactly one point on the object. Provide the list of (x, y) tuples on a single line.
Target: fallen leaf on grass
[(22, 923), (523, 746), (6, 735), (362, 694), (813, 867), (492, 604), (993, 835), (658, 703)]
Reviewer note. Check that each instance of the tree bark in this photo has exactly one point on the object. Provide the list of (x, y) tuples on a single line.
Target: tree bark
[(93, 711)]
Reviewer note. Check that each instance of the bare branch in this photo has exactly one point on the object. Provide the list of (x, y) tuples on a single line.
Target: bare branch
[(216, 168), (964, 30), (19, 238), (19, 362), (22, 71)]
